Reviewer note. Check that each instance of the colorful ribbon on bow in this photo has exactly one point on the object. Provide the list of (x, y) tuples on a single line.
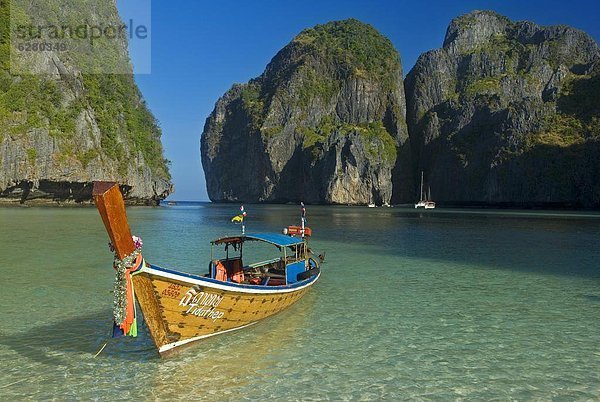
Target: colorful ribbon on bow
[(124, 314)]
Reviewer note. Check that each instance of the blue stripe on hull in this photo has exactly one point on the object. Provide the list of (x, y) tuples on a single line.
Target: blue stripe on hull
[(234, 285)]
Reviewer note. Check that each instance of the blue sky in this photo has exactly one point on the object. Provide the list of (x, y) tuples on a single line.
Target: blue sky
[(200, 48)]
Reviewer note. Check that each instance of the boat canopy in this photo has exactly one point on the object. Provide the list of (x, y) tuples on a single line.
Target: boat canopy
[(277, 239)]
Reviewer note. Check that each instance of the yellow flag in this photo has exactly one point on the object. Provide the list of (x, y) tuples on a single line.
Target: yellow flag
[(238, 218)]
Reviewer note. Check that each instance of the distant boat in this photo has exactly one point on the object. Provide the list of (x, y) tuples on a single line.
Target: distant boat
[(424, 201), (180, 308), (171, 203)]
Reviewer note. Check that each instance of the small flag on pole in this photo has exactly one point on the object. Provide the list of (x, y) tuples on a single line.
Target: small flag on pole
[(240, 217)]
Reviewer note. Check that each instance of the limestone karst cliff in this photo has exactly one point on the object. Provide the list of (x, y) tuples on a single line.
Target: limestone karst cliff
[(507, 113), (323, 123), (64, 127)]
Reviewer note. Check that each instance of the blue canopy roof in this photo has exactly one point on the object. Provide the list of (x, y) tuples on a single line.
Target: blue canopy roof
[(275, 238)]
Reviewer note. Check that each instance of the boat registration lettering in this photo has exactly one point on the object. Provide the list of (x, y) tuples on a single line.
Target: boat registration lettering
[(202, 304), (173, 291)]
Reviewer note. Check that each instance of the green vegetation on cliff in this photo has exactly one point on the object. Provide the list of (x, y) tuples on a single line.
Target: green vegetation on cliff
[(25, 101), (469, 21), (316, 87), (30, 101), (374, 135), (253, 104), (578, 116), (357, 46), (120, 109)]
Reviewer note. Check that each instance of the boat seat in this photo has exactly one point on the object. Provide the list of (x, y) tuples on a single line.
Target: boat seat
[(276, 282), (235, 271), (275, 276)]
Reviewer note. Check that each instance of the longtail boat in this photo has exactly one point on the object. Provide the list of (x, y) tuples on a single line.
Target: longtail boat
[(181, 308)]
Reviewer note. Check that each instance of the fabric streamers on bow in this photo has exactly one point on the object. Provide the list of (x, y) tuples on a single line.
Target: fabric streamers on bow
[(124, 314)]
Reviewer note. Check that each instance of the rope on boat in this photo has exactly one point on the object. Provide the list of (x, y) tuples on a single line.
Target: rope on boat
[(101, 349), (13, 383)]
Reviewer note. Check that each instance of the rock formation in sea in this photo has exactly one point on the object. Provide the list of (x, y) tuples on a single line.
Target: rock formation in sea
[(65, 127), (507, 113), (324, 123)]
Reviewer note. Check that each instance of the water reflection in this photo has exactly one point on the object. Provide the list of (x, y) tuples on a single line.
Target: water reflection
[(227, 366), (52, 344), (523, 240)]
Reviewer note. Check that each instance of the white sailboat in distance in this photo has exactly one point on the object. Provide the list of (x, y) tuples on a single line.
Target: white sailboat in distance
[(424, 202)]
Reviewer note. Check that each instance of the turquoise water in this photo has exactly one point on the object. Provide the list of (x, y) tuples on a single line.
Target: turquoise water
[(443, 305)]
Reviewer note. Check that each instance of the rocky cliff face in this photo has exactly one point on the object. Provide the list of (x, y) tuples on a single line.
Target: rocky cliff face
[(62, 129), (323, 123), (507, 113)]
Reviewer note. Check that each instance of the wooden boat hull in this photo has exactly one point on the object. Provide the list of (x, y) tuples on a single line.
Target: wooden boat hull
[(182, 308)]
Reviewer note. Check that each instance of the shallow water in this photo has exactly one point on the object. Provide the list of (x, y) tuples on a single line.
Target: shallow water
[(443, 305)]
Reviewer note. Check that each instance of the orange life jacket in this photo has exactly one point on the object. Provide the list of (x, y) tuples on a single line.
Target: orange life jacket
[(220, 272)]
